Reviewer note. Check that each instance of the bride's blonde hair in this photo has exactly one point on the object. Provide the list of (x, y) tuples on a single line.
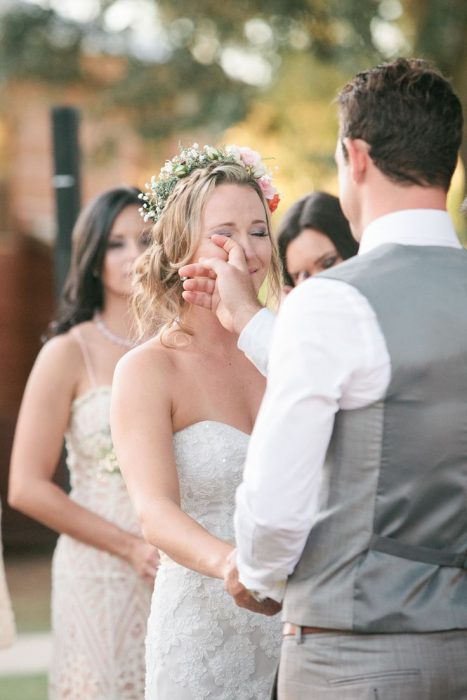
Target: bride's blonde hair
[(157, 297)]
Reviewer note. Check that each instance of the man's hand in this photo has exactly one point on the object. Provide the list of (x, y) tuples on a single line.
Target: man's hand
[(224, 287), (242, 595)]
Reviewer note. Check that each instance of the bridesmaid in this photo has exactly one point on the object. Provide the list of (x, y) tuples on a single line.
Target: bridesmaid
[(314, 235), (103, 571)]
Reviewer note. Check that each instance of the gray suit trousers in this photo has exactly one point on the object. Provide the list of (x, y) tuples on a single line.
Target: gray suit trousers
[(348, 666)]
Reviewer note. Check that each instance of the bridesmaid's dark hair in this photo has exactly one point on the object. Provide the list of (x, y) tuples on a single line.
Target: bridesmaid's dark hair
[(320, 211), (83, 292)]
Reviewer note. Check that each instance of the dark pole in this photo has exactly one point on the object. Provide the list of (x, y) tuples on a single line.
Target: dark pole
[(66, 182)]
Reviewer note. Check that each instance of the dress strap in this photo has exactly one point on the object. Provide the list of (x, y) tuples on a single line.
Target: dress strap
[(86, 356)]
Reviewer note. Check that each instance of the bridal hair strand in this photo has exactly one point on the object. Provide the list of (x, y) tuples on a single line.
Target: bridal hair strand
[(157, 299)]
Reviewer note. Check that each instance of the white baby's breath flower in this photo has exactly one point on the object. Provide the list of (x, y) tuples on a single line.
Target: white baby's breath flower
[(234, 152), (259, 170), (168, 167), (211, 152)]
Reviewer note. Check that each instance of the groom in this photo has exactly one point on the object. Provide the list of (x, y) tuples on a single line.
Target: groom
[(353, 504)]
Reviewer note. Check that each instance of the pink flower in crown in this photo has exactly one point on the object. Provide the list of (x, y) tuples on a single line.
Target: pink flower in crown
[(249, 156), (267, 187), (252, 159)]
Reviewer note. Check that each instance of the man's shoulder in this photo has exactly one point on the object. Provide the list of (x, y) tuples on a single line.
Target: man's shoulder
[(362, 264), (394, 259), (322, 295)]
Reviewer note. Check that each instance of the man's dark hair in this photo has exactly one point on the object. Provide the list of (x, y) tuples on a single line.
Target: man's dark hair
[(410, 116)]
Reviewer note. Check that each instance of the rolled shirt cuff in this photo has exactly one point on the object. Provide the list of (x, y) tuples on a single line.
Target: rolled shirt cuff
[(262, 582), (275, 591)]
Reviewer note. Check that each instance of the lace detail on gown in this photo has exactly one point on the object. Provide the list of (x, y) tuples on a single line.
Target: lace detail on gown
[(99, 603), (199, 643)]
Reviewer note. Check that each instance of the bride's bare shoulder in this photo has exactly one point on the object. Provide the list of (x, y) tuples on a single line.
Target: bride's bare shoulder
[(148, 364)]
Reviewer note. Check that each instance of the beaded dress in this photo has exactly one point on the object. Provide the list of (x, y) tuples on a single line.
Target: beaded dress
[(100, 604)]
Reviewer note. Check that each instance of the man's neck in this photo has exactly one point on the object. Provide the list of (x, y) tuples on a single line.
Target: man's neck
[(385, 197)]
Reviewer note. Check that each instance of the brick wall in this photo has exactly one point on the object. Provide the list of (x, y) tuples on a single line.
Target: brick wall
[(26, 304)]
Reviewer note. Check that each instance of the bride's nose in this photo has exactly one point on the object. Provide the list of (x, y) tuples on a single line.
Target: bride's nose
[(247, 244)]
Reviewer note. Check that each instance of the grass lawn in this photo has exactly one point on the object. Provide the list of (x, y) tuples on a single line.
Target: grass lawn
[(23, 687), (28, 579)]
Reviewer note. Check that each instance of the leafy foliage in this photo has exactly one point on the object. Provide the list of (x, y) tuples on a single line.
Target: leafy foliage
[(272, 68), (194, 74), (38, 43)]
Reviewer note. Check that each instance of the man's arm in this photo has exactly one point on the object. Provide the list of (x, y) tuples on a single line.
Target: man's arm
[(256, 338), (322, 343)]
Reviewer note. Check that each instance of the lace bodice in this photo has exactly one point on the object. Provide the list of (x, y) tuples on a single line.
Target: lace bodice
[(200, 644), (210, 458), (95, 478)]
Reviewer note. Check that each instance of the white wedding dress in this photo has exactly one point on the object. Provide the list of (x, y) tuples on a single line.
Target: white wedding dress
[(199, 643)]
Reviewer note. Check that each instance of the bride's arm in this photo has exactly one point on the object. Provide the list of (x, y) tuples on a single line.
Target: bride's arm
[(141, 419)]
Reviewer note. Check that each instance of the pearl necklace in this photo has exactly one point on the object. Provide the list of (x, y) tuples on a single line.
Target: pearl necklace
[(107, 333)]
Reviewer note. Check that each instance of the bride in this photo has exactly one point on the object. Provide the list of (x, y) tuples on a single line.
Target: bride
[(184, 404)]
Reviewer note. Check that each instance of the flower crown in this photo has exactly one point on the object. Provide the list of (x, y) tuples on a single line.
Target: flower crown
[(193, 157)]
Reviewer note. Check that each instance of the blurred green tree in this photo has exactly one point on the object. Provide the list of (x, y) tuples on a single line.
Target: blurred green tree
[(176, 65), (203, 63)]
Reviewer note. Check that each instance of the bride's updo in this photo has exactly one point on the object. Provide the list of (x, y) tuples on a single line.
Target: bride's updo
[(157, 299)]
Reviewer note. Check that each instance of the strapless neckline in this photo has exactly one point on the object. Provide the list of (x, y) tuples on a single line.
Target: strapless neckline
[(213, 422), (200, 644)]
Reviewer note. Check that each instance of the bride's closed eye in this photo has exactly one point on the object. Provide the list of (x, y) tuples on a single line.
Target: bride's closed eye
[(227, 234), (260, 233)]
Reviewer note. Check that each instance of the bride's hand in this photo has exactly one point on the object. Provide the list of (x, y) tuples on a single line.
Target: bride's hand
[(144, 558), (242, 595)]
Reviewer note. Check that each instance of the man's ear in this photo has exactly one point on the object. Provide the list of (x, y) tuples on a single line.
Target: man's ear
[(358, 155)]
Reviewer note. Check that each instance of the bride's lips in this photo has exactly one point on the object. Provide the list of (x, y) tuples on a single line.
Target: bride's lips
[(252, 272)]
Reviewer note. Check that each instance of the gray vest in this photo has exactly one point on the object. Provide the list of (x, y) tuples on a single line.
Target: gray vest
[(388, 552)]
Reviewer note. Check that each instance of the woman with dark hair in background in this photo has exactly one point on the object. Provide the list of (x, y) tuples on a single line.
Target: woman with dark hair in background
[(314, 235), (103, 570)]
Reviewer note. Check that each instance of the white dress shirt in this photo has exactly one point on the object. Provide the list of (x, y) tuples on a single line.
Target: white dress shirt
[(327, 353)]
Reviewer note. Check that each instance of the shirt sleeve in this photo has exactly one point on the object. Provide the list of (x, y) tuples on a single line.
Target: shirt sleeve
[(255, 339), (321, 344)]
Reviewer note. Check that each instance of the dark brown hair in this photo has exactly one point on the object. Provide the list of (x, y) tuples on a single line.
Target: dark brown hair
[(83, 292), (411, 118), (320, 211)]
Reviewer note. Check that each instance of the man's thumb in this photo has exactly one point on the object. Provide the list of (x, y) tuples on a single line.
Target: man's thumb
[(235, 253)]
